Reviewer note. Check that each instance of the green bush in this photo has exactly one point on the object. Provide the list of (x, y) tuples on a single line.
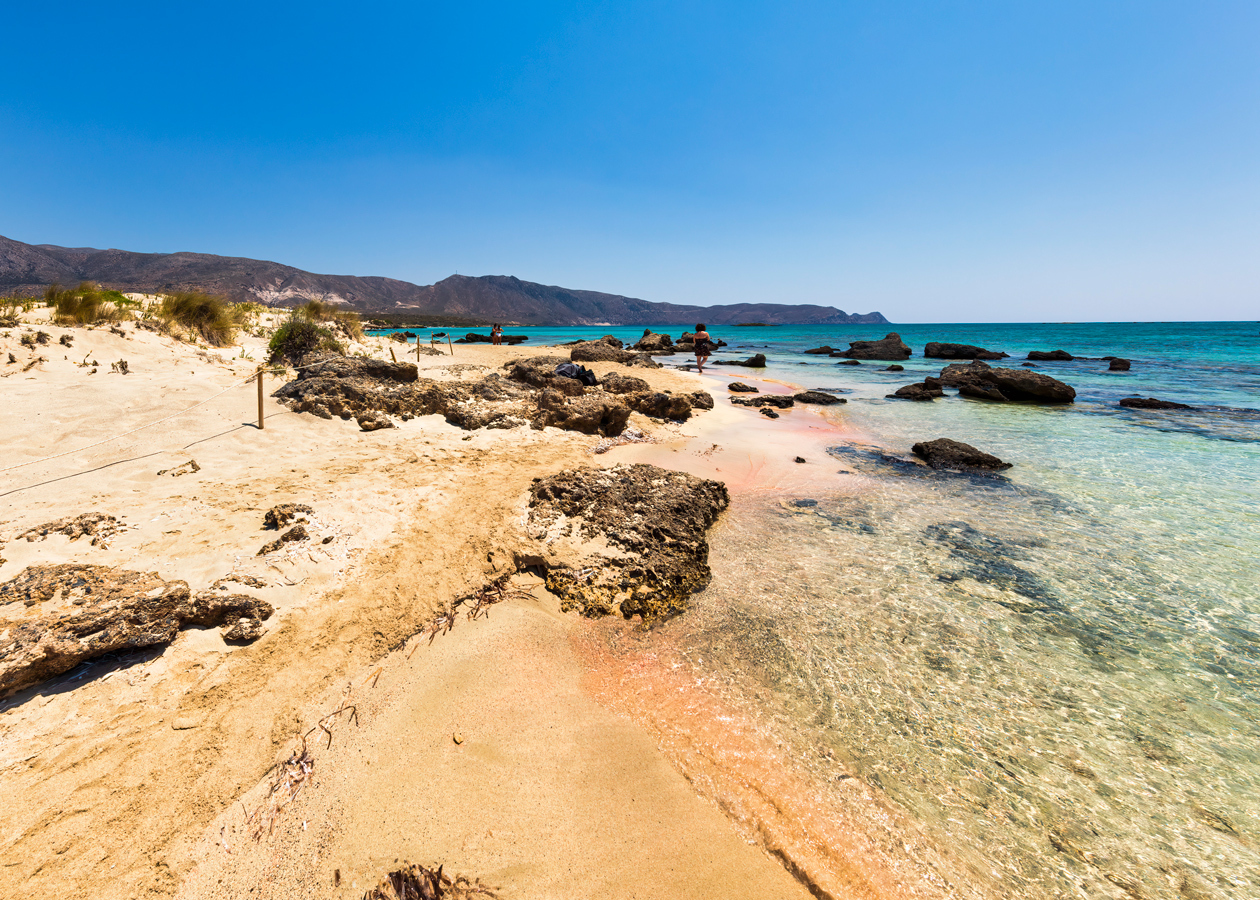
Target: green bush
[(85, 305), (211, 318), (299, 336), (347, 321)]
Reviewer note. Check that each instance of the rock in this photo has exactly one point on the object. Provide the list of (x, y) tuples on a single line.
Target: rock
[(100, 527), (279, 516), (246, 630), (849, 362), (594, 413), (757, 361), (374, 421), (800, 459), (296, 533), (187, 468), (660, 405), (740, 388), (944, 453), (540, 372), (654, 343), (959, 373), (981, 390), (1116, 364), (895, 368), (598, 351), (701, 400), (824, 350), (936, 350), (780, 401), (818, 397), (628, 539), (1151, 403), (890, 348), (69, 614), (1020, 384), (1050, 356), (474, 338), (925, 390), (769, 413), (1028, 365), (616, 383)]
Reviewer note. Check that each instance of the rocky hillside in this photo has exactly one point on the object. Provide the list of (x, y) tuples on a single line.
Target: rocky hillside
[(29, 268)]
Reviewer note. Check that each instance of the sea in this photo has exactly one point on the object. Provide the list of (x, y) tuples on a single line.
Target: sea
[(1044, 683)]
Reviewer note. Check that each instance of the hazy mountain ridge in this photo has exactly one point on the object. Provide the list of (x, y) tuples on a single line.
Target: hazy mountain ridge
[(29, 268)]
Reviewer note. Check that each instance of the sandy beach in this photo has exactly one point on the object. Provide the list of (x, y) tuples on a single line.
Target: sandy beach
[(482, 750)]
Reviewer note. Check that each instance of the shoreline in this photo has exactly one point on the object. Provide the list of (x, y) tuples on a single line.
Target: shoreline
[(125, 775)]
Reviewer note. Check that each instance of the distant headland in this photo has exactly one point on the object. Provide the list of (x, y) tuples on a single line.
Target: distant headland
[(29, 268)]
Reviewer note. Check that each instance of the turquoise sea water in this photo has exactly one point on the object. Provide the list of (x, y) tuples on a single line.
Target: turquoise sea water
[(1054, 673)]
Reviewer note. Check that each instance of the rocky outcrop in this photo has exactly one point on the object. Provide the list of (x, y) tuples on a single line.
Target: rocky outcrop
[(778, 401), (660, 405), (1117, 364), (473, 338), (609, 349), (54, 617), (757, 361), (768, 412), (740, 388), (820, 397), (976, 379), (849, 362), (895, 368), (891, 348), (701, 400), (1151, 403), (540, 372), (654, 343), (100, 527), (944, 453), (279, 516), (935, 350), (296, 533), (591, 413), (616, 383), (629, 539), (824, 350), (1050, 356), (373, 421), (928, 389)]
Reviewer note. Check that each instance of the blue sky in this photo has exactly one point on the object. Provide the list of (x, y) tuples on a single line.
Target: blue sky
[(951, 161)]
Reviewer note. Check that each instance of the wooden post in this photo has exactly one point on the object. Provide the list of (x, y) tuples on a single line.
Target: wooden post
[(391, 355), (452, 346), (417, 349), (260, 399)]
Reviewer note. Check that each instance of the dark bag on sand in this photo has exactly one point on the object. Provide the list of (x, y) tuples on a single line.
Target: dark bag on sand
[(581, 373)]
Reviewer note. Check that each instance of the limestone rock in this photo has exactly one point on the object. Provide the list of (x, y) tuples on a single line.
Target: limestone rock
[(296, 533), (593, 413), (891, 348), (756, 361), (628, 539), (655, 343), (923, 391), (279, 516), (1051, 356), (944, 453), (768, 412), (1116, 364), (779, 401), (740, 388), (819, 397), (85, 612), (936, 350), (616, 383), (660, 405), (374, 421), (701, 400)]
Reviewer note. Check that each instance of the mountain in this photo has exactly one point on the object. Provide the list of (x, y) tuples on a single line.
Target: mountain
[(29, 268)]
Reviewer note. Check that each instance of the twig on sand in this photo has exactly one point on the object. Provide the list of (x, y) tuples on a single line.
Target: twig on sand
[(476, 605), (416, 882)]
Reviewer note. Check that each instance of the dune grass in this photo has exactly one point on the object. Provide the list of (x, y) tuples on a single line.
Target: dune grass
[(346, 321), (297, 337), (213, 319), (86, 304)]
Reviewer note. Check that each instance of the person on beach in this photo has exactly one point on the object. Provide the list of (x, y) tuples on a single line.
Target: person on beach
[(703, 346), (496, 334)]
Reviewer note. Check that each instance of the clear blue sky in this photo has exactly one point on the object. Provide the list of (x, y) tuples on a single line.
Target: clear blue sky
[(949, 161)]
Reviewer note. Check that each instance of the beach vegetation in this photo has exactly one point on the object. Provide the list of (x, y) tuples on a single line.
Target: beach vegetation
[(345, 321), (199, 315), (86, 304), (300, 335)]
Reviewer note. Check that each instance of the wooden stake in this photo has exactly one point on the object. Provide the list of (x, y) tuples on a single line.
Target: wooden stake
[(452, 346), (391, 355), (260, 399)]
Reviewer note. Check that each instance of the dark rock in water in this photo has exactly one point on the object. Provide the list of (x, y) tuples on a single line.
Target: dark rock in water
[(781, 401), (373, 421), (701, 400), (616, 383), (279, 516), (891, 348), (824, 350), (988, 560), (895, 368), (1151, 403), (296, 533), (850, 362), (1050, 355), (950, 454), (936, 350), (977, 379), (1118, 365), (652, 520), (769, 413), (800, 459), (101, 610), (753, 362), (1028, 365), (660, 405), (803, 504), (474, 338), (817, 397), (929, 389), (740, 387)]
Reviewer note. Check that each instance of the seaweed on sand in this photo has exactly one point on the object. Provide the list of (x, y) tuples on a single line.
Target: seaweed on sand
[(416, 882)]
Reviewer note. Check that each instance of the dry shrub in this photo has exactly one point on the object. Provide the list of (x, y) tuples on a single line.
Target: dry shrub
[(414, 882), (213, 319), (345, 321), (85, 305)]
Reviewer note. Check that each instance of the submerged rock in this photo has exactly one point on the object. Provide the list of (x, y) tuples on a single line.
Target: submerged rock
[(1116, 364), (945, 453), (849, 362), (1151, 403), (819, 397), (1050, 355), (891, 348), (85, 612), (895, 368), (628, 539), (824, 350), (928, 389), (937, 350), (757, 361)]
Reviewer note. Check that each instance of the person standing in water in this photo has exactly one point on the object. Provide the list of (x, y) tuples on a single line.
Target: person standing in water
[(703, 346), (496, 334)]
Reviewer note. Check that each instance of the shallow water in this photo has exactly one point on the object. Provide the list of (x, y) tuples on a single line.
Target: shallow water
[(1051, 677)]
